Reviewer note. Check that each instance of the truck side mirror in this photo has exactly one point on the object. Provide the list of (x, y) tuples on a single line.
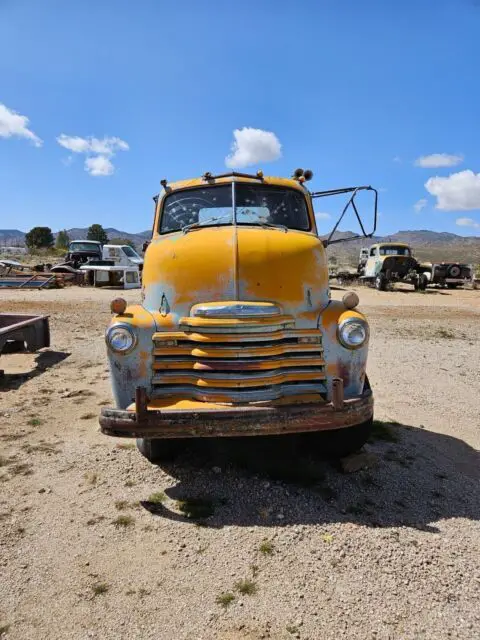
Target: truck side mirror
[(351, 205)]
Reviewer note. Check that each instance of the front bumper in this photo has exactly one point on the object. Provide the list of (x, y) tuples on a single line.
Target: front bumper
[(146, 421)]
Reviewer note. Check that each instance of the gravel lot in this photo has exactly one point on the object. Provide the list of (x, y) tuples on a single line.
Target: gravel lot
[(234, 542)]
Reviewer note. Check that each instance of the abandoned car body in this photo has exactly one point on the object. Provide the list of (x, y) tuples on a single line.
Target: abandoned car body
[(390, 262), (237, 334), (449, 274)]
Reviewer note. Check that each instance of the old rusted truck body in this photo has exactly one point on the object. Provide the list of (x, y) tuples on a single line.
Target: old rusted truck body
[(19, 332), (237, 334)]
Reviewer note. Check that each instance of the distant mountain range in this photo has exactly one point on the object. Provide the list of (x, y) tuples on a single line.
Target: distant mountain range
[(434, 246), (17, 238), (427, 245)]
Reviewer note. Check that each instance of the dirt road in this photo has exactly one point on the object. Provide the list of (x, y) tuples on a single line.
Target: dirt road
[(97, 543)]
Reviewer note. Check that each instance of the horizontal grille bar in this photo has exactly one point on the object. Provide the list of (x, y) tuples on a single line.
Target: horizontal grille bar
[(238, 364), (214, 338), (237, 379), (229, 396)]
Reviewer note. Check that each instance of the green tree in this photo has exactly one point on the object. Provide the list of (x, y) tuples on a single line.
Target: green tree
[(39, 238), (97, 232), (63, 240), (122, 241)]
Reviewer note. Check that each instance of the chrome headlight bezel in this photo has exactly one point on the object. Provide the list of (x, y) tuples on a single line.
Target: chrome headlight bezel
[(128, 329), (346, 324)]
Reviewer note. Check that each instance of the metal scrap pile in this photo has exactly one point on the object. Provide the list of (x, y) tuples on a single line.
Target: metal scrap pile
[(16, 275)]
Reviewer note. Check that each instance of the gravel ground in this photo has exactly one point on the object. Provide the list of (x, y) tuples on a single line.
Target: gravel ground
[(235, 542)]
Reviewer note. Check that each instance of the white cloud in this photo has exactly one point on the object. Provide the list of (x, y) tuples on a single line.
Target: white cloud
[(98, 151), (397, 159), (322, 216), (99, 166), (467, 222), (436, 160), (13, 124), (105, 147), (459, 192), (252, 146), (420, 205)]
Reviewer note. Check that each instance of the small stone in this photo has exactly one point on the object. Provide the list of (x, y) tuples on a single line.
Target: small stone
[(216, 470), (41, 490)]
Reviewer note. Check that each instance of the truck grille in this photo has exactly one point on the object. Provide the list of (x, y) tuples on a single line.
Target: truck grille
[(220, 363)]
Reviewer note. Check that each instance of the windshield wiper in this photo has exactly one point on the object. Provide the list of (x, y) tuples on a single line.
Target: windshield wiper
[(204, 223), (264, 223)]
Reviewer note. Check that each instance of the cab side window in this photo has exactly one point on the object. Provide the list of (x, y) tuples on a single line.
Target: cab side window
[(372, 251)]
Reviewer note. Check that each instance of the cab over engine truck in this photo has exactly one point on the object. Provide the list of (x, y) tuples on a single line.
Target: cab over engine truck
[(236, 334)]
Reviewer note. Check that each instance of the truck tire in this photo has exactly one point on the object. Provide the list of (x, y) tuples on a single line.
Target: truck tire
[(160, 449), (339, 443), (421, 283), (452, 285), (380, 282)]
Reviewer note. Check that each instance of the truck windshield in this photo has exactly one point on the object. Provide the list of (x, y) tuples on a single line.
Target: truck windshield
[(254, 205), (84, 246), (394, 251), (131, 253)]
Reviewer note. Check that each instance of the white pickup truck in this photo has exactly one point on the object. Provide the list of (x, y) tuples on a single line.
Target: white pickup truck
[(122, 255), (119, 265)]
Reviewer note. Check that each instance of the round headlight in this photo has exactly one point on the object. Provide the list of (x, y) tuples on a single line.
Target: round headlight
[(353, 333), (120, 338)]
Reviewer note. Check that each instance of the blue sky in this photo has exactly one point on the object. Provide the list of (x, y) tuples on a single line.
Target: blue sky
[(355, 90)]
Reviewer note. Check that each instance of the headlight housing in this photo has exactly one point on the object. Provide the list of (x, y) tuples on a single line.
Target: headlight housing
[(120, 338), (353, 333)]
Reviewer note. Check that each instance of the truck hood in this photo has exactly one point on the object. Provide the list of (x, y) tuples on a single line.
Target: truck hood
[(236, 263)]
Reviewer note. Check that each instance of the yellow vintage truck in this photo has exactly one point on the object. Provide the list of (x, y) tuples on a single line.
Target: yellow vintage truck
[(237, 334)]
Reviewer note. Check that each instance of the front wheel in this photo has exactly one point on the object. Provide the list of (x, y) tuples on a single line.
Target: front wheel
[(380, 282), (452, 285), (421, 282), (160, 449)]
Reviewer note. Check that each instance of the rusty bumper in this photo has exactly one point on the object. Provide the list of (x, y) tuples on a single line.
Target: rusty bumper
[(237, 421)]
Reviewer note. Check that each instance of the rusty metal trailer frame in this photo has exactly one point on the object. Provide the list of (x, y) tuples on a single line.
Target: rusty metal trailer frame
[(33, 331)]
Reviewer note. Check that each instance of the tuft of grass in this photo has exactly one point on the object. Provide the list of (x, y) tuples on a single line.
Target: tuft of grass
[(43, 447), (246, 587), (99, 588), (121, 505), (291, 628), (22, 469), (225, 599), (91, 477), (3, 461), (88, 416), (129, 483), (123, 521), (446, 334), (266, 547), (327, 537), (382, 431), (254, 569), (34, 422), (4, 628), (157, 498), (126, 445), (196, 508)]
